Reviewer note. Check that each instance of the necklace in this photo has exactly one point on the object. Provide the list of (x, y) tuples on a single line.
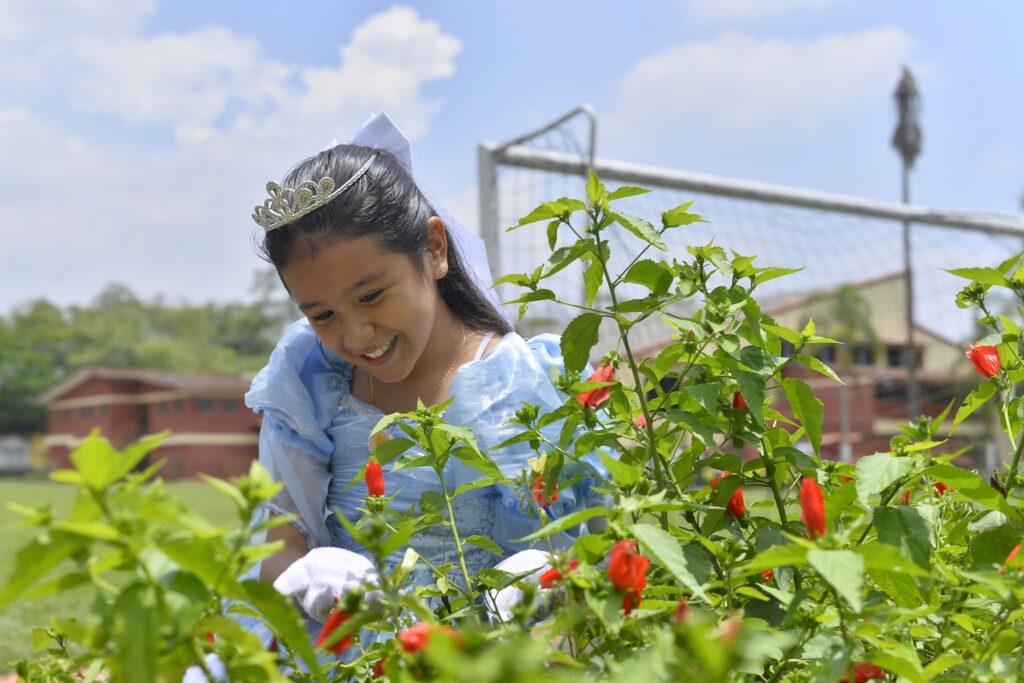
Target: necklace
[(437, 390)]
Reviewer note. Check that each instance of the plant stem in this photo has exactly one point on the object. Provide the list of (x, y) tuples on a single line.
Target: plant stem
[(455, 530)]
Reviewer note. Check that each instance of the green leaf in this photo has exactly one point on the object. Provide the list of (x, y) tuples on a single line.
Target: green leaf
[(284, 621), (806, 408), (818, 366), (680, 215), (593, 277), (790, 555), (763, 275), (485, 543), (34, 560), (752, 387), (563, 523), (904, 528), (970, 485), (881, 557), (666, 551), (706, 395), (651, 274), (974, 400), (578, 341), (792, 336), (986, 276), (543, 212), (902, 660), (138, 638), (641, 228), (597, 195), (624, 474), (843, 570), (626, 191), (876, 472)]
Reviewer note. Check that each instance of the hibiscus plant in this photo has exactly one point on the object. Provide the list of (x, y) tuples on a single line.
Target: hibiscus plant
[(728, 548)]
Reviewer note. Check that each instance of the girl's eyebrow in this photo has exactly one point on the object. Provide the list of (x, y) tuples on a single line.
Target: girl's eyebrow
[(362, 283)]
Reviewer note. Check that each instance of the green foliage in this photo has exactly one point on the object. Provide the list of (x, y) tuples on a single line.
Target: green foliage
[(912, 573)]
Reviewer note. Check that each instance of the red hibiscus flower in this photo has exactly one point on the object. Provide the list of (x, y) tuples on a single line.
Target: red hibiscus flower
[(538, 492), (738, 402), (985, 359), (864, 672), (595, 397), (334, 621), (813, 503), (378, 668), (1009, 558), (374, 478), (940, 488), (627, 570), (736, 505), (553, 576)]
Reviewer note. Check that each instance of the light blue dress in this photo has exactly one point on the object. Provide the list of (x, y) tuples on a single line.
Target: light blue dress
[(315, 440)]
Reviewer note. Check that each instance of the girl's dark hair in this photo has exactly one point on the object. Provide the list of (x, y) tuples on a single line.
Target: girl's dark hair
[(385, 203)]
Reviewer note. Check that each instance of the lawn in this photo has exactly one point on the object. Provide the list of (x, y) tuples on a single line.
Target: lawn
[(18, 619)]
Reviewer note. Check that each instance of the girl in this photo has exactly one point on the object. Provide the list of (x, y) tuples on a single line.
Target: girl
[(394, 314)]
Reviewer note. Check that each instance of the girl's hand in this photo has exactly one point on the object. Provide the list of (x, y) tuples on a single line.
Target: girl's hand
[(322, 577)]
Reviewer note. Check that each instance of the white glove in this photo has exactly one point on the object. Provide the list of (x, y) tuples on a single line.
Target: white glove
[(504, 600), (324, 575)]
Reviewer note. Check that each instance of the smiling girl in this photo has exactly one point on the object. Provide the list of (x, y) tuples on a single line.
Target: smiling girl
[(393, 315)]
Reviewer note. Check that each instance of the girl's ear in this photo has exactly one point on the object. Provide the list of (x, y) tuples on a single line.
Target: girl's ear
[(437, 247)]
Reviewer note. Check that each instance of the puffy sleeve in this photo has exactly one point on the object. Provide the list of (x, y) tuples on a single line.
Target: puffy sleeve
[(298, 393), (514, 373)]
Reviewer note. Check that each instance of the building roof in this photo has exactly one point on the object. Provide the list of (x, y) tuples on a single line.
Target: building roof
[(188, 382)]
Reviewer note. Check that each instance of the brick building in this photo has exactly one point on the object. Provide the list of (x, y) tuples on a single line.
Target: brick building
[(211, 429)]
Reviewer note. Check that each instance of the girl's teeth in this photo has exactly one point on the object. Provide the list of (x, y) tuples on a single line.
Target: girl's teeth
[(381, 351)]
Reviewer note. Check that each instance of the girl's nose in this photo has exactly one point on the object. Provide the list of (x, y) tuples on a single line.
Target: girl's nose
[(358, 333)]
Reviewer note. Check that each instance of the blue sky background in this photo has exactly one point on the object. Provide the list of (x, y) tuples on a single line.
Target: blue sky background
[(137, 135)]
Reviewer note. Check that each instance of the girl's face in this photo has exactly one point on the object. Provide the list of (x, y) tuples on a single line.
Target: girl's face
[(376, 309)]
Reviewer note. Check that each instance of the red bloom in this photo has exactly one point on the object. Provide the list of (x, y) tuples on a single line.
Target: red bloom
[(374, 478), (334, 620), (845, 479), (209, 637), (940, 488), (736, 505), (640, 421), (729, 628), (553, 576), (864, 672), (813, 503), (985, 359), (627, 570), (767, 575), (1009, 558), (905, 497), (738, 402), (595, 397), (682, 611), (538, 492), (414, 638), (378, 668)]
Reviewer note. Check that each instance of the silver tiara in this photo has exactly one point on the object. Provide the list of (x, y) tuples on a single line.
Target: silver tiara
[(289, 204)]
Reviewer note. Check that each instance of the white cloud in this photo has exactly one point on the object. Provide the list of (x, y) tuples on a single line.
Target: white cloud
[(27, 21), (745, 10), (173, 218), (737, 83)]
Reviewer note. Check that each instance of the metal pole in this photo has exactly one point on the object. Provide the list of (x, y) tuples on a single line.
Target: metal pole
[(913, 395), (487, 182)]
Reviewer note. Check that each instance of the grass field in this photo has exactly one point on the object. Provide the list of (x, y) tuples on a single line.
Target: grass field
[(18, 618)]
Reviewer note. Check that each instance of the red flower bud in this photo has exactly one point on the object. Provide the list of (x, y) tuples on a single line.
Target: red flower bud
[(334, 620), (905, 497), (864, 672), (682, 611), (736, 505), (374, 478), (414, 638), (378, 668), (1009, 558), (595, 397), (845, 479), (210, 637), (627, 570), (738, 402), (767, 575), (940, 488), (640, 421), (553, 576), (813, 503), (985, 359), (538, 492)]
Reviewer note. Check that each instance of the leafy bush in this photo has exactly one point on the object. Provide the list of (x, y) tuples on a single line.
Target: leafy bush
[(901, 567)]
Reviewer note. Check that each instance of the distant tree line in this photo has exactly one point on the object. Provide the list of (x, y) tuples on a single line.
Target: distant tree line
[(42, 344)]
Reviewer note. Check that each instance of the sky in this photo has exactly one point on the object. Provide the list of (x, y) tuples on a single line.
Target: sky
[(136, 136)]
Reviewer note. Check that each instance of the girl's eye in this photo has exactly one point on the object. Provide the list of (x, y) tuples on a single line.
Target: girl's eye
[(320, 317), (372, 296)]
